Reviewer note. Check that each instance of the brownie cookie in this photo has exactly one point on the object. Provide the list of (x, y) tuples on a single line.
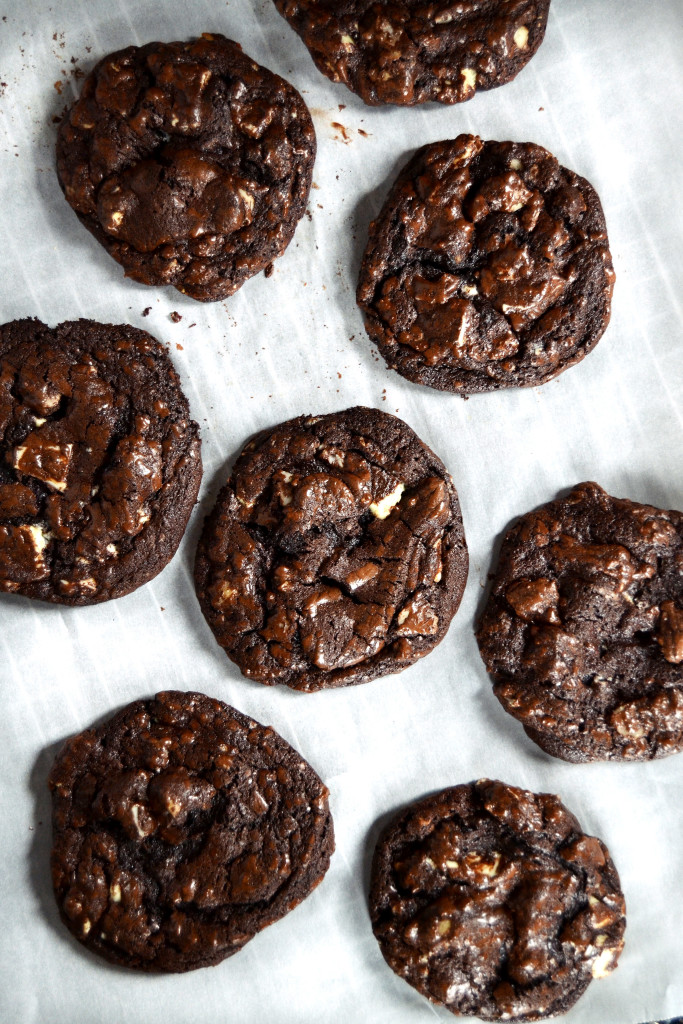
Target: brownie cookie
[(99, 461), (488, 267), (181, 829), (490, 900), (188, 162), (410, 51), (583, 629), (335, 552)]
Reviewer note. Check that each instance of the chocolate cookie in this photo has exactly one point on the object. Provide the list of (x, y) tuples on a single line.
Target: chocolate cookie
[(583, 629), (490, 900), (99, 461), (393, 51), (188, 162), (335, 552), (181, 829), (488, 267)]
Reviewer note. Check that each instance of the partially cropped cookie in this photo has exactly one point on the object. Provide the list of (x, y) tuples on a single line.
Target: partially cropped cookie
[(405, 53), (335, 552), (488, 267), (583, 629), (99, 460), (189, 162), (181, 829), (491, 901)]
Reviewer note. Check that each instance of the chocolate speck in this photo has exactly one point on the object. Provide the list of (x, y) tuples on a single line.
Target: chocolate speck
[(175, 317), (342, 130)]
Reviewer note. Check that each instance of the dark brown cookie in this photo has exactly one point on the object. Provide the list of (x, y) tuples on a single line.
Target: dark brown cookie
[(488, 267), (188, 162), (181, 829), (393, 51), (490, 900), (583, 629), (335, 553), (99, 461)]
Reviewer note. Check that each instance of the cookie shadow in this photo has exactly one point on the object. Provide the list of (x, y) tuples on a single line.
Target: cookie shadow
[(39, 854), (71, 238), (196, 622), (364, 212), (499, 721), (40, 876), (368, 207)]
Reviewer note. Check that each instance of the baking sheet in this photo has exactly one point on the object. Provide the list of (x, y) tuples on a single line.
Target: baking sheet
[(604, 94)]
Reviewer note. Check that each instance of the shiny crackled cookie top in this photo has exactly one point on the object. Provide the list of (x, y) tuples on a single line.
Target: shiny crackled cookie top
[(99, 460), (417, 50), (189, 162), (488, 267), (182, 828), (583, 630), (334, 554), (492, 901)]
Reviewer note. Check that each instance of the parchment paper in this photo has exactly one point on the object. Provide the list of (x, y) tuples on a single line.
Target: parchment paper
[(604, 93)]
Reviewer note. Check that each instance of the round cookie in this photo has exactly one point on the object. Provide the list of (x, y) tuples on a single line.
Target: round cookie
[(419, 50), (488, 267), (491, 901), (188, 162), (335, 552), (100, 463), (181, 829), (583, 628)]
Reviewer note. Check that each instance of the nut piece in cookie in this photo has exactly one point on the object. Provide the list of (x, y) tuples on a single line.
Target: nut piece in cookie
[(490, 900), (488, 267), (181, 829), (405, 53), (189, 162), (99, 460), (583, 628), (335, 553)]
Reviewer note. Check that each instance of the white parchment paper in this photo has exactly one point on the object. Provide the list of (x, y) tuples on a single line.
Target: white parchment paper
[(604, 93)]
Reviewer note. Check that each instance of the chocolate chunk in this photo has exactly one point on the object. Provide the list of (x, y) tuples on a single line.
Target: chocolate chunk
[(188, 162), (405, 53), (490, 900), (488, 267), (99, 461), (335, 553), (583, 629), (181, 829)]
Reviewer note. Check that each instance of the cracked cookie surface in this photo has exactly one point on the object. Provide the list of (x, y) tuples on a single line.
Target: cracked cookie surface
[(100, 463), (488, 267), (491, 901), (583, 629), (418, 50), (181, 829), (335, 553), (189, 163)]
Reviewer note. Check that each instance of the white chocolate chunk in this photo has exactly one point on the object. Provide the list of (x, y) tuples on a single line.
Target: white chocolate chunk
[(40, 538), (604, 963), (521, 37), (248, 198), (381, 509), (470, 77)]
